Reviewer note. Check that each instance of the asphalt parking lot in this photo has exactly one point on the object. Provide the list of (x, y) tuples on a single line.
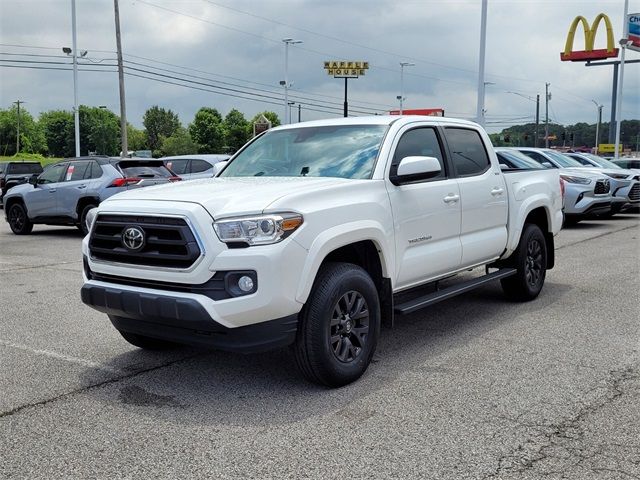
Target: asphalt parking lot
[(475, 387)]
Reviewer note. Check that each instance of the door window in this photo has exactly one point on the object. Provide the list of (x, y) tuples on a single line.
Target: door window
[(419, 142), (76, 171), (52, 174), (93, 171), (177, 166), (467, 151), (198, 166)]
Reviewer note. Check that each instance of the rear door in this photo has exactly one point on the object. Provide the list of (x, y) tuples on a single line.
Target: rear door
[(74, 186), (42, 201), (483, 193), (426, 213)]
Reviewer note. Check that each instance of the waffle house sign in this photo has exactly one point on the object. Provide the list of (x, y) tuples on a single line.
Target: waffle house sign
[(589, 52), (346, 69)]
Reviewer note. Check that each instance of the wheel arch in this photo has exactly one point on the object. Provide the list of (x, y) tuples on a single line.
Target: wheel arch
[(84, 201)]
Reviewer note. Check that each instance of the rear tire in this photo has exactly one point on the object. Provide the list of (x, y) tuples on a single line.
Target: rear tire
[(18, 219), (530, 260), (82, 226), (147, 343), (339, 326)]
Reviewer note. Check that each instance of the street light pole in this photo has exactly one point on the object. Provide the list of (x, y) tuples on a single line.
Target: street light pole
[(123, 108), (286, 84), (598, 125), (481, 84), (74, 52), (401, 97), (623, 45)]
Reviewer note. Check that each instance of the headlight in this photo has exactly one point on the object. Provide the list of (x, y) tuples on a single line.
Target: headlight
[(258, 230), (571, 179), (90, 218), (617, 176)]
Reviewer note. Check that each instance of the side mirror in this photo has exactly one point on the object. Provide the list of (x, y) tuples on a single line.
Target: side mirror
[(217, 168), (504, 167), (416, 168), (33, 179), (547, 164)]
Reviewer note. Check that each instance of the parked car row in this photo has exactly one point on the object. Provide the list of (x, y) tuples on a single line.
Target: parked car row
[(593, 185)]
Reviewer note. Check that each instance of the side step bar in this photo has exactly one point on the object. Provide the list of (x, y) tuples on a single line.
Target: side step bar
[(449, 292)]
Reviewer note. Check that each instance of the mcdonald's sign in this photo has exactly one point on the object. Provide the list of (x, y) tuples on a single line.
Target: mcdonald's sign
[(589, 53)]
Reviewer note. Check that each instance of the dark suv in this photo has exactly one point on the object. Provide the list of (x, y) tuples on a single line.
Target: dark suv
[(15, 173), (64, 192)]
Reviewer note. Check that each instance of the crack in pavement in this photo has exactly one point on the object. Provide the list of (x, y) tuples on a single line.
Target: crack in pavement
[(597, 236), (95, 386), (563, 435)]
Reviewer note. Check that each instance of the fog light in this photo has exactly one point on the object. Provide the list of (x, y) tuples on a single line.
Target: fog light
[(245, 283)]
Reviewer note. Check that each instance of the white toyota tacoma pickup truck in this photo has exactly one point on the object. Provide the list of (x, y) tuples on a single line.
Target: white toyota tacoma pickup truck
[(315, 234)]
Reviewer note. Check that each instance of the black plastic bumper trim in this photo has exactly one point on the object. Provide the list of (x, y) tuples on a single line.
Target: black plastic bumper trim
[(184, 320)]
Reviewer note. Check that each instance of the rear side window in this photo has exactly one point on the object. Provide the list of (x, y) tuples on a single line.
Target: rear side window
[(467, 151), (93, 171), (418, 142), (144, 169), (198, 166), (18, 168), (76, 171), (178, 166)]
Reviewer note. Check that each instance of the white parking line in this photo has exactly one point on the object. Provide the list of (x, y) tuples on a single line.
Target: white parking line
[(61, 356)]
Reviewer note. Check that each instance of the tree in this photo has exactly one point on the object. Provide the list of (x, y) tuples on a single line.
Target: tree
[(99, 131), (180, 143), (32, 139), (208, 130), (160, 124), (136, 138), (236, 131), (58, 129)]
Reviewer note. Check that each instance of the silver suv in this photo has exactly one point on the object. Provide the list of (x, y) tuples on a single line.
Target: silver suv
[(64, 192)]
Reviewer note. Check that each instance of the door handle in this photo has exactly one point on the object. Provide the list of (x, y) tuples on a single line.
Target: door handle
[(497, 191), (451, 198), (52, 190), (81, 186)]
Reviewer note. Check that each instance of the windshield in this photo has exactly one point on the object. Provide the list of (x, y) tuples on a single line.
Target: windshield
[(563, 160), (345, 151), (603, 162), (516, 159)]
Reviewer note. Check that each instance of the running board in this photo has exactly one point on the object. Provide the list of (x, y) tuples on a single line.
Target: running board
[(449, 292)]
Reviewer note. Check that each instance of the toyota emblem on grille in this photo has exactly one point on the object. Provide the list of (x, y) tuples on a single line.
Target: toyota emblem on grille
[(133, 238)]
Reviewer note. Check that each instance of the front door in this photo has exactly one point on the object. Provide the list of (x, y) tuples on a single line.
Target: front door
[(426, 213), (42, 201)]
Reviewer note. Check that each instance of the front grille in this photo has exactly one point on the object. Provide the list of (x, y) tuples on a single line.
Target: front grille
[(602, 186), (634, 193), (169, 242)]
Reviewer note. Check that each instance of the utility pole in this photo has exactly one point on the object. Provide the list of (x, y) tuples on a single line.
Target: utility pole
[(535, 135), (481, 84), (299, 112), (74, 51), (546, 119), (18, 102), (123, 108)]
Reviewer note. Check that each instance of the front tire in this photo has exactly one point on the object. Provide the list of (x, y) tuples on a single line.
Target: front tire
[(18, 220), (339, 326), (530, 260), (82, 226)]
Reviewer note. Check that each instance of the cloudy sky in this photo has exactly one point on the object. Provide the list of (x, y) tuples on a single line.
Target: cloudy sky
[(229, 54)]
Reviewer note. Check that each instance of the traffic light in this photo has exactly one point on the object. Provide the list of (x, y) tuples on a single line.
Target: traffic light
[(526, 137), (507, 139), (563, 136), (571, 137)]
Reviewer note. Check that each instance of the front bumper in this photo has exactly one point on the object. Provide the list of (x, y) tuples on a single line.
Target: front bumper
[(184, 320)]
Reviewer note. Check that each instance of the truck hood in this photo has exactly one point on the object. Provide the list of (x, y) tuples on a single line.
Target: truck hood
[(231, 196)]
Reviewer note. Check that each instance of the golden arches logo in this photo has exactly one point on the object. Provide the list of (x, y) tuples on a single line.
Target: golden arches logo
[(589, 53)]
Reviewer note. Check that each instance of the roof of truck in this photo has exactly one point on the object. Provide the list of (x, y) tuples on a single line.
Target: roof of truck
[(376, 120)]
